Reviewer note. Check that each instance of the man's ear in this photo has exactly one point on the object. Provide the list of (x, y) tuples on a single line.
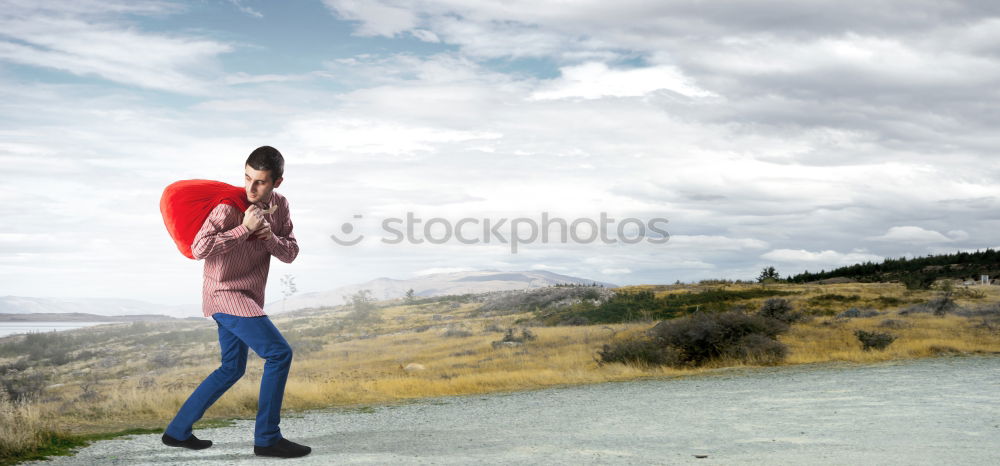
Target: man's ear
[(278, 181)]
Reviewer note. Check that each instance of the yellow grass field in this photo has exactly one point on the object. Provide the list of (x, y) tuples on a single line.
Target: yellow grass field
[(368, 367)]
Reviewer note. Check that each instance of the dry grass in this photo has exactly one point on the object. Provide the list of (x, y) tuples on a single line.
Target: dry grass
[(367, 368), (23, 426), (927, 335)]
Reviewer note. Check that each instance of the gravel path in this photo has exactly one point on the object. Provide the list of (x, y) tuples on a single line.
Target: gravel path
[(932, 411)]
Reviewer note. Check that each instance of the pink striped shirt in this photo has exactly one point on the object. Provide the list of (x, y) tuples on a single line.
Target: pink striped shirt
[(236, 269)]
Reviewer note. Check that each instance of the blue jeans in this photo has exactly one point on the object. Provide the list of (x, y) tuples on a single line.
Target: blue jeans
[(236, 334)]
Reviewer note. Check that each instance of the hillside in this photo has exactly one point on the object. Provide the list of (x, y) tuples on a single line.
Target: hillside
[(438, 284), (917, 272), (134, 375)]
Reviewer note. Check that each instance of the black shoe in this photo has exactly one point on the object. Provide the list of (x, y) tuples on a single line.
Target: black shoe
[(192, 442), (283, 449)]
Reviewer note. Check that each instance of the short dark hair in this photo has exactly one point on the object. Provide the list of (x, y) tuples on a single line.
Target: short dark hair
[(267, 158)]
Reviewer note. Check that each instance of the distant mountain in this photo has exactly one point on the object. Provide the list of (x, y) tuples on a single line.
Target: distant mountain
[(381, 288), (79, 317), (98, 306), (433, 285)]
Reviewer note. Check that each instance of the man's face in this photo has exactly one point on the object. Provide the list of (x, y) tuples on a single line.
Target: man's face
[(259, 185)]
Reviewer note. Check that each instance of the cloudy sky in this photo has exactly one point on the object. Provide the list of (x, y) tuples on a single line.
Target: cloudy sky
[(795, 133)]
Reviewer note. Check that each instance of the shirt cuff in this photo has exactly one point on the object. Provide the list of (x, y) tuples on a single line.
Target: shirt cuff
[(240, 231), (271, 239)]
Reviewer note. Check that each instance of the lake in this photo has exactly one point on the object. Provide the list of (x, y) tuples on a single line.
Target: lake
[(11, 328)]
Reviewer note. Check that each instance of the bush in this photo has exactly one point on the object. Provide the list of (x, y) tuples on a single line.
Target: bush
[(874, 340), (641, 351), (779, 309), (20, 385), (969, 293), (987, 310), (917, 280), (939, 306), (305, 346), (162, 359), (703, 337), (457, 333), (509, 339), (493, 327), (574, 320), (757, 348), (894, 323), (888, 301), (552, 297), (363, 309), (832, 297), (642, 305), (858, 312)]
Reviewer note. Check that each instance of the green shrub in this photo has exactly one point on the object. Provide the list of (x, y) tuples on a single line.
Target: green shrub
[(832, 297), (894, 323), (917, 280), (888, 301), (706, 336), (643, 351), (939, 306), (456, 333), (874, 340), (552, 297), (759, 349), (20, 385), (779, 309), (858, 312), (641, 305), (702, 337)]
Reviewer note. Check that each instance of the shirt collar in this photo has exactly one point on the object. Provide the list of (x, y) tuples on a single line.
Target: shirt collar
[(265, 203)]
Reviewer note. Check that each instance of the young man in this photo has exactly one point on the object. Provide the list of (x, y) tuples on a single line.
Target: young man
[(233, 295)]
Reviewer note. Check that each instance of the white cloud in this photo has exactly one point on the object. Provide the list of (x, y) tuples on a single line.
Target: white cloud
[(98, 47), (914, 235), (914, 62), (245, 78), (715, 243), (547, 267), (375, 137), (824, 135), (826, 257), (245, 9), (376, 18), (957, 235), (425, 35), (434, 270), (596, 80)]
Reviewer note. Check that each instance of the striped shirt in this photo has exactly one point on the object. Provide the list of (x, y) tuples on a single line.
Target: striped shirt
[(235, 268)]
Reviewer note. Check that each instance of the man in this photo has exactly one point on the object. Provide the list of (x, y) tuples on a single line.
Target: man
[(233, 295)]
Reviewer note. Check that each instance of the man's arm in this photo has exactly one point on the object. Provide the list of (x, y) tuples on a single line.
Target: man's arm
[(221, 231), (281, 243)]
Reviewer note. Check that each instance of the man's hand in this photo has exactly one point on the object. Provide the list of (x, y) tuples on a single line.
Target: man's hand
[(253, 218), (263, 233)]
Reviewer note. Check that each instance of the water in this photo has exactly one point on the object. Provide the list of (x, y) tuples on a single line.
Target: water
[(931, 411), (11, 328)]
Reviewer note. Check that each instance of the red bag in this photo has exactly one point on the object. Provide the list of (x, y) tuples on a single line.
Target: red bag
[(186, 204)]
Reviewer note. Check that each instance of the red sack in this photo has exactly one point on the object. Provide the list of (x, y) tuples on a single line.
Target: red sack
[(186, 204)]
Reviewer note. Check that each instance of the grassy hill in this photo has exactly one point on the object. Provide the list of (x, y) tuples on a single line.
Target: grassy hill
[(917, 272)]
